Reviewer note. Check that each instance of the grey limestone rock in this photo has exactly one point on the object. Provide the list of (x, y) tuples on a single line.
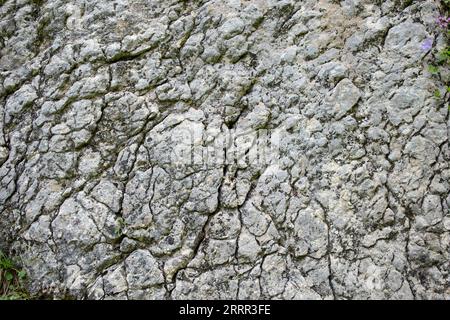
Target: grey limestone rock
[(229, 149)]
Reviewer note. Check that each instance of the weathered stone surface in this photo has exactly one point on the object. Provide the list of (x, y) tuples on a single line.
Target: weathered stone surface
[(224, 149)]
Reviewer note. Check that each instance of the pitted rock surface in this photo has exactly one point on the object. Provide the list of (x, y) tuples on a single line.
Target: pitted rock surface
[(129, 167)]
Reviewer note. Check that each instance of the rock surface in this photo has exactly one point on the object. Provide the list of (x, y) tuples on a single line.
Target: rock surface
[(261, 149)]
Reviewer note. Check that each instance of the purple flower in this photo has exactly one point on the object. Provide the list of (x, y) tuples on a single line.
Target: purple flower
[(427, 44), (443, 22)]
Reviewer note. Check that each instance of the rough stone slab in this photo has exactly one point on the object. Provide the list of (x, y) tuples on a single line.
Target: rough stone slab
[(226, 149)]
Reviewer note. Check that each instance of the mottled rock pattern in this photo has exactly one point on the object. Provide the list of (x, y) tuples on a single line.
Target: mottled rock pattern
[(102, 198)]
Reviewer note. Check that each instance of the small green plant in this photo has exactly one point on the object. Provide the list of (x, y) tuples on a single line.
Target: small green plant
[(11, 280), (437, 94), (439, 60), (433, 69)]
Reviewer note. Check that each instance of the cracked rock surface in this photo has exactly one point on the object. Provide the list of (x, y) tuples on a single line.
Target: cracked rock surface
[(134, 136)]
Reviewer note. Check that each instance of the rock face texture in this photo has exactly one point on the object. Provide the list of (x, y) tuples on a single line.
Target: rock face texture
[(259, 149)]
